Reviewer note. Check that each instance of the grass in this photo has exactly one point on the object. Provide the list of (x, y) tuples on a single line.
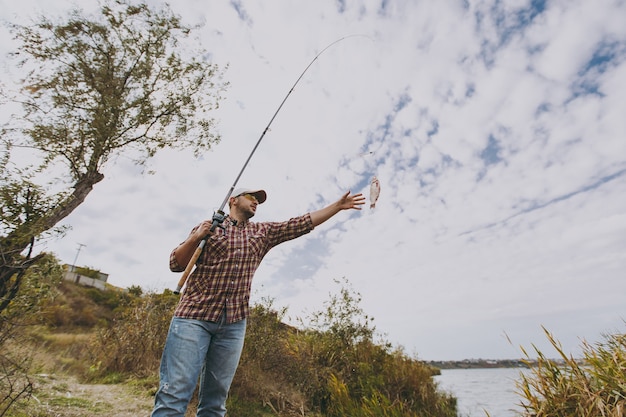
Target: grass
[(594, 386)]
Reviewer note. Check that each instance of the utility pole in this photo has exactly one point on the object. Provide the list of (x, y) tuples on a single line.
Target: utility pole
[(80, 246)]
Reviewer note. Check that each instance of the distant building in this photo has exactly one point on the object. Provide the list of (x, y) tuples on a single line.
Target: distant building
[(72, 274)]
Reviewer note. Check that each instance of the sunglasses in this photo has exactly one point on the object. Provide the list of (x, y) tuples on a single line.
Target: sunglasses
[(249, 197)]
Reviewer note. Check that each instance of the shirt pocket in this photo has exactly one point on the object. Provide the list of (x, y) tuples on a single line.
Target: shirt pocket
[(258, 245), (215, 250)]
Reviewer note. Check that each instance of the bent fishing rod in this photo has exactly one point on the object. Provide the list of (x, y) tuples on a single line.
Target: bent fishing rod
[(219, 215)]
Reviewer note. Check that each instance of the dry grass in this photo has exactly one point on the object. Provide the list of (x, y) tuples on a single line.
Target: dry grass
[(592, 387)]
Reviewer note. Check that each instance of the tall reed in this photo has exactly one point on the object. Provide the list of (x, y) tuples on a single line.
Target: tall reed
[(594, 385)]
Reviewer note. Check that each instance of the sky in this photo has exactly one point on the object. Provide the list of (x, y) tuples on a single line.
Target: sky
[(496, 129)]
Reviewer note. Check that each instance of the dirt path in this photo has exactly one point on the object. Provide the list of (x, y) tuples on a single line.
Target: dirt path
[(64, 396)]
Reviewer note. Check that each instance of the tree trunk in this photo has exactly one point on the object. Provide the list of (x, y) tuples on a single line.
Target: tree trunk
[(81, 189)]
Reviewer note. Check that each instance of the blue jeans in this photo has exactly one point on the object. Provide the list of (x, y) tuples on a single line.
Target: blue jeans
[(196, 348)]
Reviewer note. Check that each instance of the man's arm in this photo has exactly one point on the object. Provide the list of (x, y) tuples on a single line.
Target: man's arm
[(183, 253), (346, 202)]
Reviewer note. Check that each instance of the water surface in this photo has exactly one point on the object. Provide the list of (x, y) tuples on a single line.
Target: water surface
[(482, 391)]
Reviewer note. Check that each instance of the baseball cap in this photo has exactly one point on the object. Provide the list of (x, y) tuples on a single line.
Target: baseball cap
[(260, 195)]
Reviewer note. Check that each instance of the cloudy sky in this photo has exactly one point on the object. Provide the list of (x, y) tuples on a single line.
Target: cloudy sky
[(497, 131)]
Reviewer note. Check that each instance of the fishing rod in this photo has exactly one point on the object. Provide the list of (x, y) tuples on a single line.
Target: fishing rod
[(219, 215)]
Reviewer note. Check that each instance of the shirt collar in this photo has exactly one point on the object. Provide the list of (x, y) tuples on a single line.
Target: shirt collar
[(237, 223)]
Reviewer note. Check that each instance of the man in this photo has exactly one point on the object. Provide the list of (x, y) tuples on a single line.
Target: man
[(207, 331)]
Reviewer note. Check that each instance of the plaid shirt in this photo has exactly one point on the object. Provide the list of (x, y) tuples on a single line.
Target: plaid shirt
[(223, 274)]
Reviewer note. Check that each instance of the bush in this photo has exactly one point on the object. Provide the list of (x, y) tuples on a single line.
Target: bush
[(334, 368), (269, 374), (23, 310), (133, 342)]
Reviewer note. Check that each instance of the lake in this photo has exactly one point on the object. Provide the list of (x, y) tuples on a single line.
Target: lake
[(480, 390)]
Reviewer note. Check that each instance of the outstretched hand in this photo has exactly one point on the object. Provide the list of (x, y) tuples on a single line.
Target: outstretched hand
[(354, 201), (346, 202)]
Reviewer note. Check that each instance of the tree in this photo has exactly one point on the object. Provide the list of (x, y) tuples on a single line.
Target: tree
[(95, 87)]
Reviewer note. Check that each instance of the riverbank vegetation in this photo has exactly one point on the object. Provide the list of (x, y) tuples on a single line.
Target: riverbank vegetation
[(592, 386), (335, 366)]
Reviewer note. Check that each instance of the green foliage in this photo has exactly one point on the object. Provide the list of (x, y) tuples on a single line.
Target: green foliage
[(343, 319), (592, 387), (334, 368), (123, 80), (135, 290), (87, 272), (23, 202), (375, 405), (38, 287), (22, 310), (110, 299), (23, 205)]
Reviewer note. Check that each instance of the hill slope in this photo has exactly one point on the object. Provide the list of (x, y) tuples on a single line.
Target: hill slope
[(335, 368)]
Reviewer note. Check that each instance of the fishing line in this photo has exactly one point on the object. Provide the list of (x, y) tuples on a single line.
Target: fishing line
[(219, 215)]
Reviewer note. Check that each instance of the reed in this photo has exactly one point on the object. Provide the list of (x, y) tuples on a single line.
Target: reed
[(594, 385)]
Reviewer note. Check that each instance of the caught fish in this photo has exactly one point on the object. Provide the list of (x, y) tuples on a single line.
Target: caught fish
[(374, 192)]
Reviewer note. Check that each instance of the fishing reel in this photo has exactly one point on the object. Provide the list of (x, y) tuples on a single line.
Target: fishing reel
[(218, 220)]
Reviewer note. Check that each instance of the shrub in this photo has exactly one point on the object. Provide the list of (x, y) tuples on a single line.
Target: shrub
[(334, 367), (22, 310), (269, 372), (133, 342)]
